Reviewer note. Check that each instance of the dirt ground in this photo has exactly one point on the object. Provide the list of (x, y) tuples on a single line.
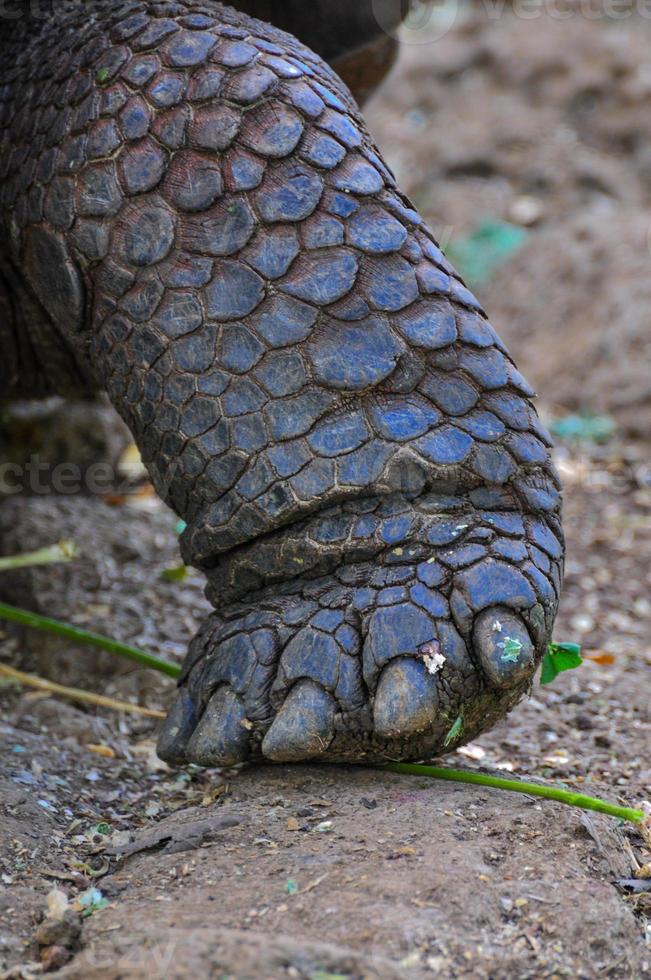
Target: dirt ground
[(541, 121), (325, 873)]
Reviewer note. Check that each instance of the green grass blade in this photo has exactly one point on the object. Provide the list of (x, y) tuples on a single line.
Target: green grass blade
[(515, 786), (63, 551), (79, 635)]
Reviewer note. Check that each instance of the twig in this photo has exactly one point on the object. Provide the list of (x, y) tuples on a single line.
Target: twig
[(55, 626), (63, 551), (75, 694), (515, 786)]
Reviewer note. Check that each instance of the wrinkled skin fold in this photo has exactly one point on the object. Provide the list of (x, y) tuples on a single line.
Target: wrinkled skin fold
[(197, 221)]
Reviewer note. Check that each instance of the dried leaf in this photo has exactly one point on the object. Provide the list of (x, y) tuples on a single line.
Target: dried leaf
[(104, 750)]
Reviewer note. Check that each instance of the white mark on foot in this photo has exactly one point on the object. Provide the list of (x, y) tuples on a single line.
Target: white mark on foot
[(432, 656)]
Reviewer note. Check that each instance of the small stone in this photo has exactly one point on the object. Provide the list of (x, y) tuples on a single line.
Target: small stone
[(54, 957), (526, 210), (62, 930)]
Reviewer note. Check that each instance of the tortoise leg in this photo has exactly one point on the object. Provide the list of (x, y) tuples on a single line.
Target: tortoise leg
[(312, 387)]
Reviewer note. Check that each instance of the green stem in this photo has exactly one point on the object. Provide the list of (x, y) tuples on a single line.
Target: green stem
[(58, 628), (44, 623), (514, 786), (63, 551)]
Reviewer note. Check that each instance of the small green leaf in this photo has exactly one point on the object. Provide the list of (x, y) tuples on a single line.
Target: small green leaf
[(63, 551), (90, 871), (511, 647), (91, 901), (99, 828), (102, 76), (585, 427), (454, 732), (291, 887), (491, 245), (176, 574), (324, 975), (559, 657)]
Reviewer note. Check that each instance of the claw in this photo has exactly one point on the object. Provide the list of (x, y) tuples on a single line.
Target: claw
[(304, 726), (406, 701), (503, 647), (220, 738), (176, 730)]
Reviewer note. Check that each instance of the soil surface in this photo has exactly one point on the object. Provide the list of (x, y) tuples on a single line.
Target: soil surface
[(540, 121), (316, 872)]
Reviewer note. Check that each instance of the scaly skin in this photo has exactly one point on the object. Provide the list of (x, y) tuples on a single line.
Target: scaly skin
[(206, 229)]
